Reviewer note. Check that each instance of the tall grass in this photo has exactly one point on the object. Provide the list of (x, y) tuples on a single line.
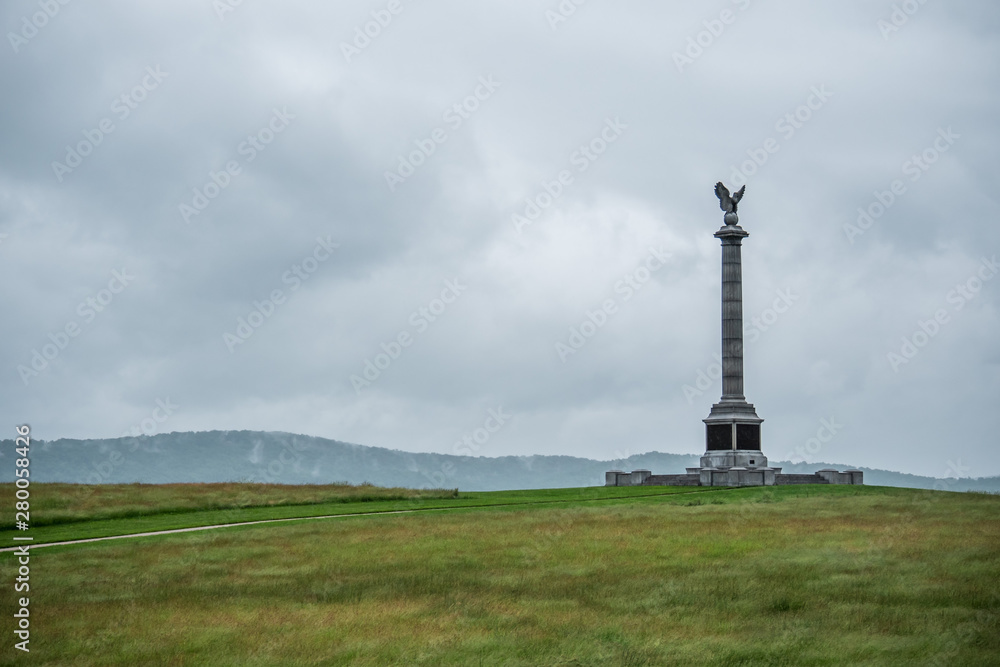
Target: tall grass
[(64, 503), (805, 576)]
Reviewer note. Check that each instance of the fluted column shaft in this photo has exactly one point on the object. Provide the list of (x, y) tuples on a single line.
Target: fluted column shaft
[(732, 313)]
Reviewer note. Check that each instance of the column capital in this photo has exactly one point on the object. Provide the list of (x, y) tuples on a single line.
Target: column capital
[(731, 233)]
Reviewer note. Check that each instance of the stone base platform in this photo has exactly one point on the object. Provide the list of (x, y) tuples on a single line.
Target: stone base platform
[(731, 476)]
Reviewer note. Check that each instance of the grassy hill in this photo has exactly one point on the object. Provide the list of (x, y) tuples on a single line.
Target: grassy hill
[(811, 575)]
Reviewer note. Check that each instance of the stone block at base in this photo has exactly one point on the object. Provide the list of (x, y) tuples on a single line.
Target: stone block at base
[(639, 477), (733, 476), (672, 480)]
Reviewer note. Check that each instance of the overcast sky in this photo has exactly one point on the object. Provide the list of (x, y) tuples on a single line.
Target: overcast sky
[(212, 217)]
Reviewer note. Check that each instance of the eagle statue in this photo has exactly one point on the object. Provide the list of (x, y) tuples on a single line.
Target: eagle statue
[(728, 203)]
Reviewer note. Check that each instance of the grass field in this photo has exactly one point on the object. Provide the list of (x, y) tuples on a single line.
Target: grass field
[(138, 508), (809, 575), (65, 503)]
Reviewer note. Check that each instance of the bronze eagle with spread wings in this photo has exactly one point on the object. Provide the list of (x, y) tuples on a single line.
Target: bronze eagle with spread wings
[(727, 202)]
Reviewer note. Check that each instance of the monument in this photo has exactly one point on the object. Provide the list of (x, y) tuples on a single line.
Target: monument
[(733, 455)]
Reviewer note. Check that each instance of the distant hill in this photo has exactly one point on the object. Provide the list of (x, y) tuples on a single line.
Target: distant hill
[(221, 456)]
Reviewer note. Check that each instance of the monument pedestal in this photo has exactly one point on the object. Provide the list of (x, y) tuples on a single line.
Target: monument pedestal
[(732, 446), (732, 436)]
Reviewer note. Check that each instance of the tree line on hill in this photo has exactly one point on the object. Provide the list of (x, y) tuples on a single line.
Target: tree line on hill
[(285, 458)]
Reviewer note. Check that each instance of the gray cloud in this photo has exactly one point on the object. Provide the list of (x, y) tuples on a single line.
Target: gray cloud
[(323, 176)]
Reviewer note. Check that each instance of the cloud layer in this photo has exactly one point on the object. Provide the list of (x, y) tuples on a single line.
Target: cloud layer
[(240, 210)]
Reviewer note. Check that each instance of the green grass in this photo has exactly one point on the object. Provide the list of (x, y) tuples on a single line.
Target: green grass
[(782, 576), (65, 503), (144, 508)]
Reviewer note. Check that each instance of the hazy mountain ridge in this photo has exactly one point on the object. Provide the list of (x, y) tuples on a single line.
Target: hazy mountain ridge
[(219, 456)]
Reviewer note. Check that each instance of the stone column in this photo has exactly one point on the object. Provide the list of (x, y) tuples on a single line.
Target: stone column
[(732, 312)]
